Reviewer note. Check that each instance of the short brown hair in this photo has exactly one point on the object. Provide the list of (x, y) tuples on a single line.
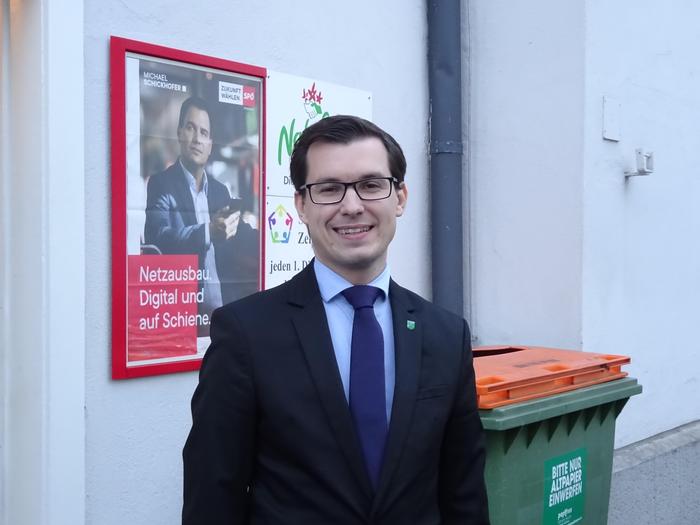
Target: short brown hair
[(343, 129)]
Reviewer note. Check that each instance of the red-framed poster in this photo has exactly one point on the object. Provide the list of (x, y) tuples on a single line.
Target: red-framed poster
[(188, 159)]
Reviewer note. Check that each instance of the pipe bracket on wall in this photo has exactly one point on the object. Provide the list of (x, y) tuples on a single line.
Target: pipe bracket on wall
[(446, 146)]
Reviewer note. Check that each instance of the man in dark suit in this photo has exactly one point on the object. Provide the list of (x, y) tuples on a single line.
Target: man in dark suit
[(316, 407), (190, 212)]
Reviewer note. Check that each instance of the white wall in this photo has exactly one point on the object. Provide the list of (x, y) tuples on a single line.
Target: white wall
[(565, 251), (526, 157), (42, 363), (136, 428), (641, 277)]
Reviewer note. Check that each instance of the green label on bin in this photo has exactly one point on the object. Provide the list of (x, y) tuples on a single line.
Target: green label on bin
[(564, 484)]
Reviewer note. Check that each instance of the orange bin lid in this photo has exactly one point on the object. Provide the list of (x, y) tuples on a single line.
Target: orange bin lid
[(510, 374)]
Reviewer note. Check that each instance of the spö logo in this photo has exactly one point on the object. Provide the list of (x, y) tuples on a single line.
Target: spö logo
[(280, 223), (248, 96), (312, 99)]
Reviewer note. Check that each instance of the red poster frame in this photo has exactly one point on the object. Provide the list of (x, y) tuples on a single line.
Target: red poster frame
[(119, 47)]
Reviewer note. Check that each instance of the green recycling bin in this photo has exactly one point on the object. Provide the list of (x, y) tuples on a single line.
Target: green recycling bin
[(549, 460)]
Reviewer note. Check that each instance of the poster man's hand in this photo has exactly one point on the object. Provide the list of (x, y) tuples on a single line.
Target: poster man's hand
[(224, 224), (250, 219)]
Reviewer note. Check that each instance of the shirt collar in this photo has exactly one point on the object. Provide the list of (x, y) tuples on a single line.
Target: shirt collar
[(192, 182), (330, 284)]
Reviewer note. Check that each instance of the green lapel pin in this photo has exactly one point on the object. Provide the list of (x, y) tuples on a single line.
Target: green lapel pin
[(411, 325)]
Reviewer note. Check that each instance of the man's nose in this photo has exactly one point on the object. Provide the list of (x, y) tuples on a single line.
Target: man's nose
[(352, 203)]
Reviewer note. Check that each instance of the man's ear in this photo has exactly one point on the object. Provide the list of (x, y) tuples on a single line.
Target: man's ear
[(402, 195), (299, 201)]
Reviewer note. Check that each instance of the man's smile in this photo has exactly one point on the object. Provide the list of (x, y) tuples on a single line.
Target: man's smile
[(352, 230)]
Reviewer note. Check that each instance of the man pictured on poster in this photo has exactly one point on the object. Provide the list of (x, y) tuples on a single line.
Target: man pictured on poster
[(338, 397), (190, 212)]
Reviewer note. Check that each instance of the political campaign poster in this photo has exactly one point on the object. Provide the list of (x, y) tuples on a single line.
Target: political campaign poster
[(187, 200)]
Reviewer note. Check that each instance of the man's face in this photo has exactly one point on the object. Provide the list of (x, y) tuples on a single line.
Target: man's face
[(352, 236), (195, 139)]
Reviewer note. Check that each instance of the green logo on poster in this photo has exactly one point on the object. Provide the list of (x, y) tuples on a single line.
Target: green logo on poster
[(564, 484), (312, 105)]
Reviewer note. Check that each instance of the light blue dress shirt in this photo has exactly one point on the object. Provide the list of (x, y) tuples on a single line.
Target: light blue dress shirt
[(340, 316), (212, 287)]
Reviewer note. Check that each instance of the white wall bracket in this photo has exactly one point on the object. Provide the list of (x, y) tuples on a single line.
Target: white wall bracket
[(645, 163)]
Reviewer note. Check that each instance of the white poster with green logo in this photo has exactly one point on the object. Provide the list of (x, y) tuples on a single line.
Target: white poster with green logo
[(564, 488), (293, 104)]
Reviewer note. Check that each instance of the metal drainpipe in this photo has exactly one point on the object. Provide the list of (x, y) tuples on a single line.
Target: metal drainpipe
[(445, 125)]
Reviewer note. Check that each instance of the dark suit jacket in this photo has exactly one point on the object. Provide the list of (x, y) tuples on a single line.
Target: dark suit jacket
[(171, 225), (272, 440)]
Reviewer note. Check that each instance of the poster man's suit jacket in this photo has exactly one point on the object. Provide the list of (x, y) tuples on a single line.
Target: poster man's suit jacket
[(171, 225), (273, 442)]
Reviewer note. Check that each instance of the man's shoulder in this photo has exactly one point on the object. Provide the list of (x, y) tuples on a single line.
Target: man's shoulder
[(422, 305), (173, 169), (165, 177), (265, 304), (441, 327), (262, 299)]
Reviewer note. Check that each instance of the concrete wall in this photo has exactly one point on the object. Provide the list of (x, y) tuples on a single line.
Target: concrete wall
[(641, 254), (565, 251), (136, 428), (526, 157), (42, 273)]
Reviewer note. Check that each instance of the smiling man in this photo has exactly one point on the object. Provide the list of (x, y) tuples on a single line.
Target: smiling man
[(338, 397)]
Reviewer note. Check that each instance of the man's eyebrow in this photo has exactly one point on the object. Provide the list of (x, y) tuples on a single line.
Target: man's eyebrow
[(370, 175)]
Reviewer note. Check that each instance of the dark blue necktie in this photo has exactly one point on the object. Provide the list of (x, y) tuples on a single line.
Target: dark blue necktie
[(367, 392)]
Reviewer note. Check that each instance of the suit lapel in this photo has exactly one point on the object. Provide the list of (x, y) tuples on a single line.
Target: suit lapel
[(407, 351), (312, 328)]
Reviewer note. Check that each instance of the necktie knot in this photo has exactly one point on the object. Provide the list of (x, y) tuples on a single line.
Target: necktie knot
[(362, 296)]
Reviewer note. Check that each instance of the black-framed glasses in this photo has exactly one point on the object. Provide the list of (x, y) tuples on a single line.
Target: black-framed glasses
[(371, 189)]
